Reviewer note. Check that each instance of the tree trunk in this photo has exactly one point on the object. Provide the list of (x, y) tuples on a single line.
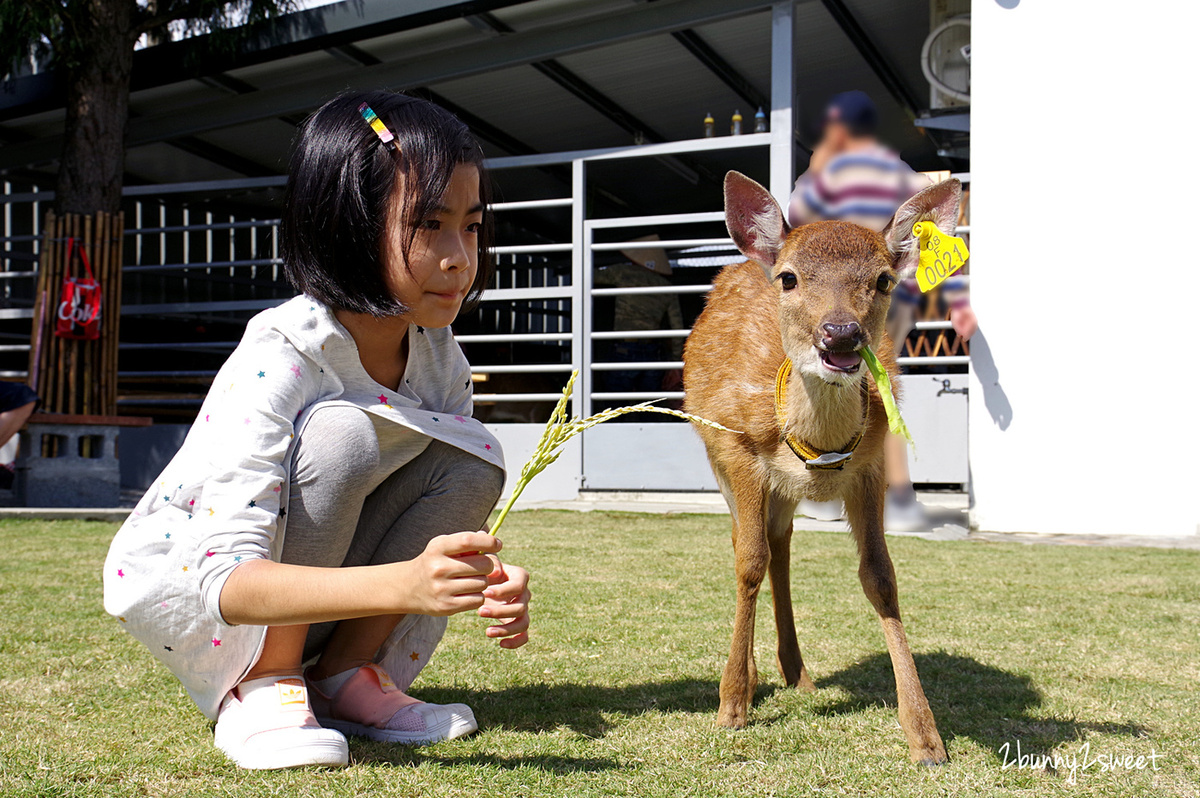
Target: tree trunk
[(92, 168)]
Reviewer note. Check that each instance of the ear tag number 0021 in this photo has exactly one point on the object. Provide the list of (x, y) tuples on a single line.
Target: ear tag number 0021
[(941, 255)]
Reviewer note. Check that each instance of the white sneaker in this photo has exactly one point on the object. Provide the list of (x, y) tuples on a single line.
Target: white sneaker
[(268, 724), (823, 511), (910, 517)]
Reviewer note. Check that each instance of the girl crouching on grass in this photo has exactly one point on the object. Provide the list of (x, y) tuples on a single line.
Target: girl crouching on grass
[(313, 513)]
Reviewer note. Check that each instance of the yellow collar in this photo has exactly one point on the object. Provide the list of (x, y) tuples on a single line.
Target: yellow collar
[(813, 457)]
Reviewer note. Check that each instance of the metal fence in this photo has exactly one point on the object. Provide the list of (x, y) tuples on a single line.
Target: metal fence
[(190, 263)]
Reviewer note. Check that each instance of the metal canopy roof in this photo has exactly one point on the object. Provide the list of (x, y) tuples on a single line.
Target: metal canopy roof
[(536, 76)]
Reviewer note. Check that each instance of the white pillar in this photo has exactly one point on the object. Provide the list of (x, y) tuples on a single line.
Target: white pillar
[(1084, 382), (581, 284), (783, 169)]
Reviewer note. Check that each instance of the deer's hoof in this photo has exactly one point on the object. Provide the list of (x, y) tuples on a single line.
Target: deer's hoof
[(804, 683), (930, 757), (731, 717)]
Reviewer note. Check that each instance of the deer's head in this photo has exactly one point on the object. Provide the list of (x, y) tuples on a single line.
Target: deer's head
[(833, 279)]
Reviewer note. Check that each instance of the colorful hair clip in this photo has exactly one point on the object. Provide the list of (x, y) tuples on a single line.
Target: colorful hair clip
[(377, 125)]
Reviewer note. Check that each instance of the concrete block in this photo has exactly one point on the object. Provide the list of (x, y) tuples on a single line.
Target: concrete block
[(69, 479)]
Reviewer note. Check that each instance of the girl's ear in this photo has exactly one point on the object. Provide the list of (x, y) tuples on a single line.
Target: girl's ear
[(754, 220), (937, 203)]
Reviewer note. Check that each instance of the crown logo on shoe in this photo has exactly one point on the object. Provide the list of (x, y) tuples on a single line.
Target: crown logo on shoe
[(385, 680), (291, 691)]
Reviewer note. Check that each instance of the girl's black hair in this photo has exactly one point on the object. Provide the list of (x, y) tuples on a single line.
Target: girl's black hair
[(339, 192)]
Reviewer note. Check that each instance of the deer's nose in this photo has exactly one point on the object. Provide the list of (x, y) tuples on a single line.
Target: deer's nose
[(842, 336)]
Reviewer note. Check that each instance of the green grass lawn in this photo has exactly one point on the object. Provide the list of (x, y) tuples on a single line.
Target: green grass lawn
[(1087, 653)]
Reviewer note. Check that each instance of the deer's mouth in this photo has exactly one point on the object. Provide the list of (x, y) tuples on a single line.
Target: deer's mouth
[(844, 362)]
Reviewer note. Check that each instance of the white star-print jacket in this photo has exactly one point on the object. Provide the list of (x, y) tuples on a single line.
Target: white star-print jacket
[(222, 499)]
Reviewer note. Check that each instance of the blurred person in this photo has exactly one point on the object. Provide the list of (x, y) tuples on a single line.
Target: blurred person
[(638, 313), (853, 177), (17, 403)]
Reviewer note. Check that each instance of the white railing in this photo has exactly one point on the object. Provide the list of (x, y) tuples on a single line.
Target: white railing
[(182, 261)]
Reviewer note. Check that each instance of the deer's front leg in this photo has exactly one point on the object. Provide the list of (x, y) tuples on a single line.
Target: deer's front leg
[(779, 535), (751, 555), (878, 579)]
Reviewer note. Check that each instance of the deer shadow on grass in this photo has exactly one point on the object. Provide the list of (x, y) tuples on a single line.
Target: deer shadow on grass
[(969, 699), (589, 710), (365, 752)]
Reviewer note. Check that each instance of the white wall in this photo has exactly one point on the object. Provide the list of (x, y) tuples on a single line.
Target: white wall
[(559, 482), (1084, 175)]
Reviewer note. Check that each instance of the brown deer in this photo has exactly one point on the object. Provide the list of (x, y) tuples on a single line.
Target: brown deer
[(775, 354)]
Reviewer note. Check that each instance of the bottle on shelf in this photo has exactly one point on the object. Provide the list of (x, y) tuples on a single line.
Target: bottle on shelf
[(760, 121), (735, 124), (710, 126)]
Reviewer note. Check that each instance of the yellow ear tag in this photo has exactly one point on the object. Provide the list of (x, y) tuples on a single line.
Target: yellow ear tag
[(941, 255)]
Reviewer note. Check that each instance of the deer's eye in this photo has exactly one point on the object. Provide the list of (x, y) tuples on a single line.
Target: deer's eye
[(884, 284), (787, 280)]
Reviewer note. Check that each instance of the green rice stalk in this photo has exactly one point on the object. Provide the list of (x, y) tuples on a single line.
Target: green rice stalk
[(884, 384), (559, 430)]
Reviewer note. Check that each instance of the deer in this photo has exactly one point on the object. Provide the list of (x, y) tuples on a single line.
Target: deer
[(776, 355)]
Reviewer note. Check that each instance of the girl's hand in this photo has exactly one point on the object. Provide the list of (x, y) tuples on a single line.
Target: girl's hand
[(452, 574), (507, 598)]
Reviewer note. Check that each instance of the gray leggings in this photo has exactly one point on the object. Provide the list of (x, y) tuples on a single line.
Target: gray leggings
[(338, 517)]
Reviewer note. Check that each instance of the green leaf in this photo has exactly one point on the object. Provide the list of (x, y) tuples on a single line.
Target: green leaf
[(884, 384)]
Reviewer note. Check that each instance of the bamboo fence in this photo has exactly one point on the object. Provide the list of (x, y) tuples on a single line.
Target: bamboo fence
[(73, 376)]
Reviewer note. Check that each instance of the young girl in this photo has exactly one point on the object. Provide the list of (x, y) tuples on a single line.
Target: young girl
[(313, 511)]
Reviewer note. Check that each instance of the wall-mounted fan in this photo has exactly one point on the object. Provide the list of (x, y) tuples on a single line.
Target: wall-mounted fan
[(946, 61)]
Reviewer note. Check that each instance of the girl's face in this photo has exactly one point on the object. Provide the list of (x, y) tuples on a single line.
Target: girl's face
[(444, 256)]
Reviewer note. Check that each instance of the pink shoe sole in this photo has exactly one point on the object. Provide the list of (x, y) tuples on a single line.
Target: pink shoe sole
[(366, 706), (441, 722)]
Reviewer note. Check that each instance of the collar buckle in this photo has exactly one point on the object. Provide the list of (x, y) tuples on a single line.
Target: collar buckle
[(814, 459)]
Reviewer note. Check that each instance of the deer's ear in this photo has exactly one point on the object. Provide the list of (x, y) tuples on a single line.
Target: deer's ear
[(939, 204), (754, 220)]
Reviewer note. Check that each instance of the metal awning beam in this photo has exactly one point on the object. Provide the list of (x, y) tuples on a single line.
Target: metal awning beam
[(481, 128), (305, 31), (706, 55), (576, 85), (598, 100), (872, 55), (221, 157), (541, 44)]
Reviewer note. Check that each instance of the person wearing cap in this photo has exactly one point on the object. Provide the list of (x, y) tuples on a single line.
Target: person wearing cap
[(638, 313), (853, 177)]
